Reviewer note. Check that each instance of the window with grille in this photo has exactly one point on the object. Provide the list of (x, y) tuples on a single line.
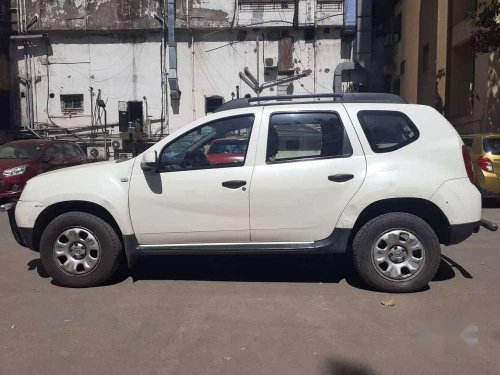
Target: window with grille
[(331, 5), (72, 103), (265, 5)]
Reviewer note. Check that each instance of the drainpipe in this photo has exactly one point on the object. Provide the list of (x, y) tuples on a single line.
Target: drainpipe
[(193, 91), (349, 26), (363, 53), (358, 20), (172, 52)]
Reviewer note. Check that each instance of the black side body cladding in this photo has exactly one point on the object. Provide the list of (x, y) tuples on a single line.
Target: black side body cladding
[(336, 243)]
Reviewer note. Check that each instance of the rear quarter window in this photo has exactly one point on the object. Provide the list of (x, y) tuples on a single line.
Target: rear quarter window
[(468, 141), (387, 131)]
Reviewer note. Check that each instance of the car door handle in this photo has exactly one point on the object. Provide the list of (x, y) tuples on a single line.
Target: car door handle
[(341, 177), (235, 184)]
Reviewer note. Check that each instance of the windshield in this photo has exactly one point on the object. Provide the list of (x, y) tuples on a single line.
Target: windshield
[(492, 146), (229, 146), (20, 151)]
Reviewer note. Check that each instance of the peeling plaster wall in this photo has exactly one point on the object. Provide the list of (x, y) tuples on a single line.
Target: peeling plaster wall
[(193, 14), (92, 14)]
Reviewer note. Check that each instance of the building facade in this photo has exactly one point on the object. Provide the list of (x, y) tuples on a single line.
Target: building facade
[(427, 56), (4, 70), (164, 63)]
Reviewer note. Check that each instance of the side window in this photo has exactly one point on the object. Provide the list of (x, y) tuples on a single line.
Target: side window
[(387, 130), (68, 151), (54, 152), (222, 143), (77, 150), (298, 136)]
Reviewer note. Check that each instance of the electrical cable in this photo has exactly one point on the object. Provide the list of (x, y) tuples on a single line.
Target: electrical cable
[(216, 70)]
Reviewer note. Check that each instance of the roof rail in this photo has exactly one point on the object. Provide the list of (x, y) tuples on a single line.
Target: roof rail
[(336, 98), (291, 97)]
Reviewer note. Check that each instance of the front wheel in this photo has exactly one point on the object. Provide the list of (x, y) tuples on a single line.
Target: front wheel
[(80, 250), (396, 252)]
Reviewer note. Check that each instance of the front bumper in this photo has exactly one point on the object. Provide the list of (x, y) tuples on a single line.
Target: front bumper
[(9, 195), (6, 185), (22, 236)]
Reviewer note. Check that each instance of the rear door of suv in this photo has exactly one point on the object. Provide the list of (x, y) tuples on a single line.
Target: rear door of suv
[(309, 165)]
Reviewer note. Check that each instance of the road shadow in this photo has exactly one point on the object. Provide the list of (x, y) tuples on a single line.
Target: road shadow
[(36, 264), (244, 268), (342, 366), (454, 265), (289, 268), (267, 268)]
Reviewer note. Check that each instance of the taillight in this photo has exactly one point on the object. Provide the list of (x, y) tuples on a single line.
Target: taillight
[(468, 163), (485, 164)]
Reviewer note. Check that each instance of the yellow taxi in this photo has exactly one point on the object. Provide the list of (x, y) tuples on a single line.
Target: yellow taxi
[(485, 155)]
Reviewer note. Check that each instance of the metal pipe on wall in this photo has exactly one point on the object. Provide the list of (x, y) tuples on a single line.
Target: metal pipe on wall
[(258, 66), (363, 53), (193, 91)]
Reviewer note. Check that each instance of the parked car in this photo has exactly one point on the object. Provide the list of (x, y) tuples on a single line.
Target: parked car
[(227, 151), (485, 154), (22, 160), (352, 175)]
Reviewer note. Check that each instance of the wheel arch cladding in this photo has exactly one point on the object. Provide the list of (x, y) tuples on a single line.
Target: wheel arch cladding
[(422, 208), (54, 210)]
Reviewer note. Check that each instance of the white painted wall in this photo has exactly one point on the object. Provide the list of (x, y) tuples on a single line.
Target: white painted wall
[(126, 70)]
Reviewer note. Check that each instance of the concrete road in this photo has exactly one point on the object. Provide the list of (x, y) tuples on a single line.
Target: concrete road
[(251, 315)]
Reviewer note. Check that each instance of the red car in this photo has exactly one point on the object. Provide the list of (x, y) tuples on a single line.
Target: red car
[(22, 160), (227, 151)]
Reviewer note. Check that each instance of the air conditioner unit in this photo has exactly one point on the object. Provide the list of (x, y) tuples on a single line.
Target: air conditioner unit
[(95, 153), (116, 144)]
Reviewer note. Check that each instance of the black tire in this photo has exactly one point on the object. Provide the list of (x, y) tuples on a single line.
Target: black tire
[(109, 256), (368, 237)]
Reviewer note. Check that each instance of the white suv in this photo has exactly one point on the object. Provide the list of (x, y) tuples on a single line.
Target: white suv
[(365, 174)]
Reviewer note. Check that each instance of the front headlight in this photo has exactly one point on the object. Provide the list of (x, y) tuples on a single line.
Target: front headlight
[(16, 171)]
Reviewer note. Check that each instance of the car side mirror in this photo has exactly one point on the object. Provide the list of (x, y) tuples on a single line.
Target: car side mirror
[(149, 162)]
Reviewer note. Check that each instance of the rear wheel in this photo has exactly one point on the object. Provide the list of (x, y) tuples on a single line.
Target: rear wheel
[(80, 250), (396, 252)]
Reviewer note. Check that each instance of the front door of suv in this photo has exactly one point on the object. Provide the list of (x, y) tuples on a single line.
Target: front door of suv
[(190, 199), (306, 171)]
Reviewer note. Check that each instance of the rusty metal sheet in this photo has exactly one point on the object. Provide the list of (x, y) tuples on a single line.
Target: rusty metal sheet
[(285, 55)]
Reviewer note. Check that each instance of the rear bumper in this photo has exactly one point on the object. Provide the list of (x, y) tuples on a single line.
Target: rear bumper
[(485, 193), (460, 232), (488, 184)]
